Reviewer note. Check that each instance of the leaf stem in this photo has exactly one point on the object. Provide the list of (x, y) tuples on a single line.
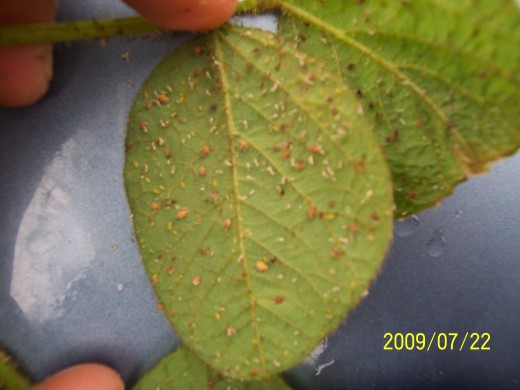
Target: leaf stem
[(31, 34)]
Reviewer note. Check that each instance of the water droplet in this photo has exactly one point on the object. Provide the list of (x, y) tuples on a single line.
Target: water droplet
[(406, 227), (437, 244)]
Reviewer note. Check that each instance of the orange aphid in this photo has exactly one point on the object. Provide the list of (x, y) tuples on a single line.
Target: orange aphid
[(315, 149), (204, 151), (202, 171), (227, 223), (196, 280), (261, 266), (163, 98), (244, 145), (155, 206), (353, 228), (182, 213), (311, 212)]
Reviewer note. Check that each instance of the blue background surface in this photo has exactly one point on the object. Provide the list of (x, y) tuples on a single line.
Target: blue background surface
[(72, 287)]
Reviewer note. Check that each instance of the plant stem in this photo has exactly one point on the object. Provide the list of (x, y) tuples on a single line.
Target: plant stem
[(74, 31), (31, 34)]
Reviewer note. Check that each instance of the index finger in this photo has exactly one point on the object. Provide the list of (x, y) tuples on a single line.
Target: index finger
[(187, 15)]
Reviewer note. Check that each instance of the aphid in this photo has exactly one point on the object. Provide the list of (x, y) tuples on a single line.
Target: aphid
[(316, 149), (163, 98), (214, 196), (332, 203), (336, 252), (286, 153), (278, 299), (167, 153), (311, 212), (299, 164), (360, 167), (202, 171), (411, 194), (182, 213), (353, 228), (227, 224), (143, 126), (155, 206), (261, 266), (204, 151), (243, 145), (374, 216)]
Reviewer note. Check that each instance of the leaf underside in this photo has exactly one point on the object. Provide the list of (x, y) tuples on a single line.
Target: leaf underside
[(259, 193), (183, 370), (261, 200), (439, 81)]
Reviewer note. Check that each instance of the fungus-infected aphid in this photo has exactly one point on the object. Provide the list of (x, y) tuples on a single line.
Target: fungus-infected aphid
[(230, 330)]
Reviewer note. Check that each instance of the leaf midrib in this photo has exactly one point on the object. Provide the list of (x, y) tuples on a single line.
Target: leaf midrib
[(232, 131)]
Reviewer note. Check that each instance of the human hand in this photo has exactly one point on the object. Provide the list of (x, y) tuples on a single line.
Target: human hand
[(26, 71), (83, 377)]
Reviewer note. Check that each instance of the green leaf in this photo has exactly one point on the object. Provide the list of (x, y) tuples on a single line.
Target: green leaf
[(438, 79), (261, 200), (10, 378), (183, 370)]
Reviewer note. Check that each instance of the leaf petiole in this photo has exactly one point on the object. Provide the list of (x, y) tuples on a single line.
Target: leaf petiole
[(55, 32)]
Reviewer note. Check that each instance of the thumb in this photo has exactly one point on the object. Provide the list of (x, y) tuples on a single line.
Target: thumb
[(187, 15), (83, 377)]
